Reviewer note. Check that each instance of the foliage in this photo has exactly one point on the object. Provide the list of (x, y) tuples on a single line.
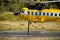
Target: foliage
[(10, 5), (14, 5), (9, 17)]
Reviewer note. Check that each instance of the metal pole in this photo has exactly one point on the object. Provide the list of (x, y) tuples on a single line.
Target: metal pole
[(28, 26)]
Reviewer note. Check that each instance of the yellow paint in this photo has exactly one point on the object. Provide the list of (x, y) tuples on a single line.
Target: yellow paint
[(25, 9), (41, 18), (44, 10), (51, 10)]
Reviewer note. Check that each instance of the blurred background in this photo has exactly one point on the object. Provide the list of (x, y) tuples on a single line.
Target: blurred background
[(16, 5)]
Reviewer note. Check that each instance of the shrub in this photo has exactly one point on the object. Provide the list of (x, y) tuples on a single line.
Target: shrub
[(3, 18), (9, 17)]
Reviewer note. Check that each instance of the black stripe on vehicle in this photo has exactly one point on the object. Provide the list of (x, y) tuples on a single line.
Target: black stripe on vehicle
[(36, 13), (47, 14), (32, 13), (55, 14), (59, 14), (28, 13), (39, 13), (43, 13), (51, 14)]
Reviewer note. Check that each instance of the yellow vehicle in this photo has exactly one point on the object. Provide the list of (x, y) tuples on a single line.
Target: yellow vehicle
[(40, 12)]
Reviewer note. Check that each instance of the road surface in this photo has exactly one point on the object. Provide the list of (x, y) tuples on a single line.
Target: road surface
[(31, 33)]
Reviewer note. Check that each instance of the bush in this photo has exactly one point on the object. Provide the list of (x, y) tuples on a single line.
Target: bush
[(3, 18), (14, 7), (9, 17)]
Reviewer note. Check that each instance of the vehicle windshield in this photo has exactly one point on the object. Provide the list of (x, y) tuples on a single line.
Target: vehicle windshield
[(40, 7), (35, 7)]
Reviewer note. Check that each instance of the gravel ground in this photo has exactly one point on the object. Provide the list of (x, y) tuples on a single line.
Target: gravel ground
[(29, 38)]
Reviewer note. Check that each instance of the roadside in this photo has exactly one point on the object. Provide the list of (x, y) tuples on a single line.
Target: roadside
[(23, 25), (9, 22), (29, 38)]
